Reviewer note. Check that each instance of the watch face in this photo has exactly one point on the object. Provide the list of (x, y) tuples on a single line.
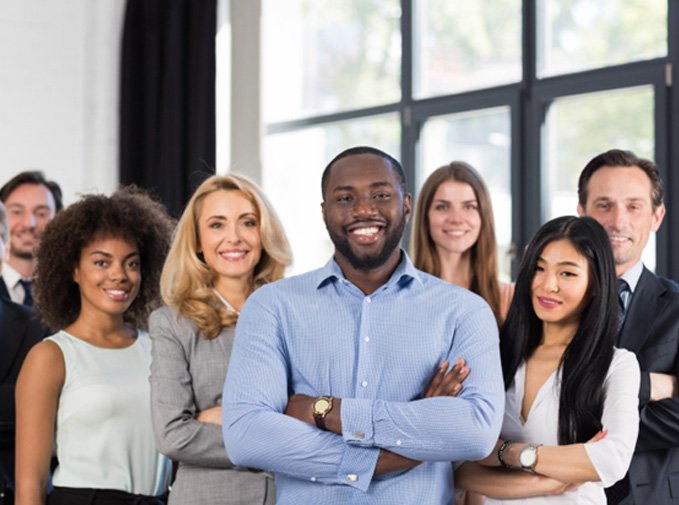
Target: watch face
[(527, 456), (321, 406)]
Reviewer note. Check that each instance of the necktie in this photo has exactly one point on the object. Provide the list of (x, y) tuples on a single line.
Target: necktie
[(623, 293), (617, 492), (28, 296)]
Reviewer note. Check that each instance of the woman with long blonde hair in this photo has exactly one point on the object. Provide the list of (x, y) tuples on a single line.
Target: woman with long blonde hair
[(228, 242), (453, 234)]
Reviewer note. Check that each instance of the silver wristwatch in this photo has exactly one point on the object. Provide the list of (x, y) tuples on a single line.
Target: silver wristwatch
[(528, 457)]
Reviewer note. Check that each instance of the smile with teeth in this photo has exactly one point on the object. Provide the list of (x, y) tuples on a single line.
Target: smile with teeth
[(366, 234), (618, 239), (233, 255), (455, 233), (118, 295)]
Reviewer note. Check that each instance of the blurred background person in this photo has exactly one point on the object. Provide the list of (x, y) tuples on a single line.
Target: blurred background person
[(571, 420), (453, 234), (19, 331), (228, 242), (85, 389), (31, 201)]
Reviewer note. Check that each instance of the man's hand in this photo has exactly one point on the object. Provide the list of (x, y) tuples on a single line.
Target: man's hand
[(448, 383), (301, 407), (213, 415), (663, 386)]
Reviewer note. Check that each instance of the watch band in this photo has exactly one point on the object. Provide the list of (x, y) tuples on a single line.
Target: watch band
[(320, 422), (501, 451)]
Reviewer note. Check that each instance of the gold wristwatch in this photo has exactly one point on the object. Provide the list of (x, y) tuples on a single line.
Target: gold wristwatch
[(321, 407)]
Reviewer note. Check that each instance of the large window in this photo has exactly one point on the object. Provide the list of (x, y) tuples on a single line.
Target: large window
[(527, 91), (329, 56), (460, 45)]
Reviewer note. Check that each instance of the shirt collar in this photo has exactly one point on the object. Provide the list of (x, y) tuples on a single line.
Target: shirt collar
[(405, 271), (632, 275), (10, 275)]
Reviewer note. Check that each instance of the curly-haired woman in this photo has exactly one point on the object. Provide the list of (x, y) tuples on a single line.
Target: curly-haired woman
[(85, 389), (228, 242)]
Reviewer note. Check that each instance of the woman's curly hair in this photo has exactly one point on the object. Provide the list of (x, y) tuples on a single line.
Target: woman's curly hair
[(130, 214)]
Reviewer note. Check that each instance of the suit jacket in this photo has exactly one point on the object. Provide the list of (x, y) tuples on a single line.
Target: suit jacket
[(651, 331), (4, 292), (187, 376), (19, 331)]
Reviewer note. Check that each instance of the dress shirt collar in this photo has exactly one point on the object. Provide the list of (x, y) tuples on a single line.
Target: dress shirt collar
[(632, 276), (11, 276), (405, 271)]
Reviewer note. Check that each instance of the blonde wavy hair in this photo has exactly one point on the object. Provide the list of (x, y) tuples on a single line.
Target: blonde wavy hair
[(186, 281), (483, 253)]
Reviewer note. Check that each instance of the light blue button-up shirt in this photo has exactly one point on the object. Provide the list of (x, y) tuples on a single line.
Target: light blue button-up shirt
[(318, 334)]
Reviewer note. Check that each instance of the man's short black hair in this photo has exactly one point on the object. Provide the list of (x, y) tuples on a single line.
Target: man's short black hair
[(395, 165), (32, 177)]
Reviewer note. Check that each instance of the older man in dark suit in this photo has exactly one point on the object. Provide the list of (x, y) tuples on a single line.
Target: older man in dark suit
[(624, 193), (19, 331)]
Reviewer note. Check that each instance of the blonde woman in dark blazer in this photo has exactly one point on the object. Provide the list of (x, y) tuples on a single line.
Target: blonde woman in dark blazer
[(228, 242)]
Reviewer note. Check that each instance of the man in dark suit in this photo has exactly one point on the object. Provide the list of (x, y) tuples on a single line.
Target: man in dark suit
[(625, 194), (19, 331), (31, 201)]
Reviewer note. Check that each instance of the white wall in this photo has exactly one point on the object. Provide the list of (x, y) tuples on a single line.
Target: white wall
[(59, 72)]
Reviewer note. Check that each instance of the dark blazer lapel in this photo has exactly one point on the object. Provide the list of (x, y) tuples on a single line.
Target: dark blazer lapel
[(12, 332), (647, 301), (4, 292)]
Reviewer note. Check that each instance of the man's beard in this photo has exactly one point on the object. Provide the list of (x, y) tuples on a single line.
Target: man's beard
[(16, 253), (369, 262)]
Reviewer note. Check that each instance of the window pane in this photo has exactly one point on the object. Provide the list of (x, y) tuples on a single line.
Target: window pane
[(580, 127), (293, 164), (576, 35), (329, 56), (461, 45), (482, 139)]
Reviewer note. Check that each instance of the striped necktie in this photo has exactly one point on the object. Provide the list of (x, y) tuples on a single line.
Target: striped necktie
[(623, 294)]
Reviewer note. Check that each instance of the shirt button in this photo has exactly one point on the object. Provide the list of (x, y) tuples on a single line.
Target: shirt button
[(364, 384), (366, 339), (359, 434), (398, 442), (313, 479), (352, 477), (367, 299)]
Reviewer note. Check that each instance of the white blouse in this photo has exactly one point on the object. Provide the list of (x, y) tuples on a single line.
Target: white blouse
[(610, 456), (104, 437)]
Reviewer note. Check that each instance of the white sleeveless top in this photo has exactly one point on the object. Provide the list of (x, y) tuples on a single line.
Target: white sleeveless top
[(104, 436)]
